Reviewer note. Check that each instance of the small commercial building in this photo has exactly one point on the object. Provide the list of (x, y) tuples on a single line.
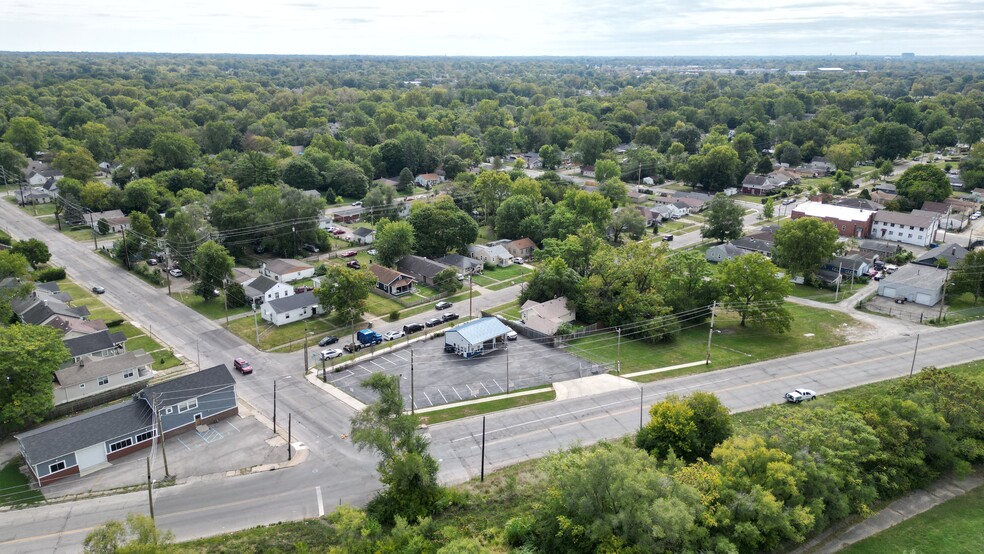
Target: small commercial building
[(850, 222), (917, 228), (916, 283), (477, 337)]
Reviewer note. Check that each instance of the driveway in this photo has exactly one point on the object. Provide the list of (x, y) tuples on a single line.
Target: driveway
[(442, 378)]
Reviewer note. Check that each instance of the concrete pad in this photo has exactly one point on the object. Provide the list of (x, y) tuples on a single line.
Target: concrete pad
[(590, 386)]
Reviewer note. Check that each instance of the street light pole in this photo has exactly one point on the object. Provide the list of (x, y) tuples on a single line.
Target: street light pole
[(914, 351), (710, 333), (412, 403), (618, 356)]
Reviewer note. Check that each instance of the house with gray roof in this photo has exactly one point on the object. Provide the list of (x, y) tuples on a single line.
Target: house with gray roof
[(78, 446), (876, 249), (422, 269), (97, 345), (86, 378), (852, 264), (364, 235), (392, 281), (476, 337), (720, 252), (750, 244), (289, 309), (260, 290), (496, 255), (546, 317), (39, 310), (286, 271), (114, 218), (951, 253), (918, 229), (463, 264), (71, 327)]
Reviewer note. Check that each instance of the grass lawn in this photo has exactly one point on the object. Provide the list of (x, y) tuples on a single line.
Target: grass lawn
[(213, 309), (504, 273), (290, 335), (14, 485), (439, 416), (961, 309), (142, 342), (40, 209), (380, 306), (506, 284), (84, 234), (730, 346), (825, 295), (82, 297), (508, 310)]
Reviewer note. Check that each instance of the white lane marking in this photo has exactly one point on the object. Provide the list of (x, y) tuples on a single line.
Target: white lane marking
[(442, 396), (321, 503), (456, 392), (486, 388), (498, 385), (396, 355), (377, 365), (429, 401)]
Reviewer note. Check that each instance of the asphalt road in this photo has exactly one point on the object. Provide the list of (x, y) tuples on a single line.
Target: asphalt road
[(201, 507)]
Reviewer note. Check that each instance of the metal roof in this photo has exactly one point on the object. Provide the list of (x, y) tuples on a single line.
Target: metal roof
[(480, 330)]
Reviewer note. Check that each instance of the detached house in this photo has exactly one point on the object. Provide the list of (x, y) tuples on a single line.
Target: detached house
[(463, 264), (86, 378), (87, 443), (546, 317), (496, 255), (114, 218), (521, 248), (286, 271), (421, 269), (97, 345), (289, 309), (260, 290), (364, 235), (391, 281), (427, 180)]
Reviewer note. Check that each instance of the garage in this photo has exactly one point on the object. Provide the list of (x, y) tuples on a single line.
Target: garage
[(924, 299), (919, 283), (888, 292), (91, 456)]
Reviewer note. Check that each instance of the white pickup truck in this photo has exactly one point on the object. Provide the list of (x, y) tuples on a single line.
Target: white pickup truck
[(799, 395)]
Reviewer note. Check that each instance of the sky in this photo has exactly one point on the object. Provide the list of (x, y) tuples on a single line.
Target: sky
[(499, 28)]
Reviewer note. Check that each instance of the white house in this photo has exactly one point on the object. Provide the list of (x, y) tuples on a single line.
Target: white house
[(427, 180), (115, 218), (918, 228), (364, 235), (260, 290), (497, 255), (286, 271), (546, 317), (90, 377), (295, 307)]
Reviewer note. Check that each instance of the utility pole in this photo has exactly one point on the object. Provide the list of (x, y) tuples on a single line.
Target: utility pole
[(288, 436), (160, 433), (618, 355), (412, 403), (641, 411), (507, 369), (126, 251), (304, 371), (150, 489), (470, 295), (256, 322), (943, 299), (324, 374), (914, 351), (710, 333), (482, 477), (198, 352), (225, 301), (840, 278), (274, 406)]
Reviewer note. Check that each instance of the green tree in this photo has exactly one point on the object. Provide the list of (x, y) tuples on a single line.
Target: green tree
[(607, 169), (405, 467), (97, 139), (344, 291), (719, 168), (406, 181), (301, 174), (789, 153), (969, 275), (943, 137), (764, 165), (217, 136), (769, 209), (690, 427), (723, 219), (492, 187), (142, 230), (550, 156), (76, 163), (174, 151), (34, 251), (498, 141), (890, 140), (844, 155), (26, 134), (347, 179), (615, 191), (441, 227), (552, 279), (211, 266), (12, 161), (254, 168), (590, 145), (802, 245), (688, 284), (627, 221), (446, 281), (12, 266), (394, 241), (141, 195), (138, 534), (512, 220), (924, 182), (29, 357), (102, 226), (756, 290)]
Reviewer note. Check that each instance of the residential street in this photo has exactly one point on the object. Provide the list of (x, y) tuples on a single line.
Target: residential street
[(335, 471)]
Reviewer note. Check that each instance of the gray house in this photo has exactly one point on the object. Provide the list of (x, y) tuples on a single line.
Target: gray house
[(463, 264), (916, 283), (87, 443), (421, 269), (721, 252), (97, 345)]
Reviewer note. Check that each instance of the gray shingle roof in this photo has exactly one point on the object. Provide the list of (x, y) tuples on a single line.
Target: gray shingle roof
[(420, 266), (191, 385), (459, 261), (36, 311), (69, 435), (281, 266), (363, 232), (899, 218), (89, 370), (261, 284), (293, 302), (952, 253), (87, 344)]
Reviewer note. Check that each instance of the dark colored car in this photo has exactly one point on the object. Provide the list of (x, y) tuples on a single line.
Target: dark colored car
[(330, 339), (352, 347), (450, 316), (302, 288), (311, 248), (259, 249), (354, 264), (667, 238), (337, 232), (449, 348), (412, 328), (442, 305), (433, 322), (243, 366)]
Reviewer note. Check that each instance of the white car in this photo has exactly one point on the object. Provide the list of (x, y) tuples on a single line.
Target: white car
[(518, 260), (372, 252), (392, 335), (175, 272), (330, 353), (799, 395)]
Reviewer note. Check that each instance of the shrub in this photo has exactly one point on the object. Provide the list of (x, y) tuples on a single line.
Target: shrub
[(49, 274), (5, 238), (114, 323), (394, 315)]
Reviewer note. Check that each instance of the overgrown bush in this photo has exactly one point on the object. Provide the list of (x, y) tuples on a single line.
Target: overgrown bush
[(49, 274), (394, 315), (235, 295)]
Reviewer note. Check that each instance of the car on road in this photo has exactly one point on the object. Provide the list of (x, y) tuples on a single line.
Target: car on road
[(413, 328), (433, 322), (450, 316), (242, 365), (325, 341), (152, 261), (357, 203), (352, 347), (442, 305), (667, 238), (798, 395), (311, 248), (393, 335), (338, 232), (175, 272), (354, 264), (512, 335), (788, 201), (330, 353), (349, 253), (372, 252), (98, 290)]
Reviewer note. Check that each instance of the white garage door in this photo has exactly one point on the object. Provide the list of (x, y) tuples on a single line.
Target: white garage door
[(888, 292), (924, 299), (91, 456)]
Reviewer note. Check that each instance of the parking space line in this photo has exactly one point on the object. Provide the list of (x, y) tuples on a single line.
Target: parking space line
[(363, 368), (389, 360), (377, 365), (429, 401), (470, 391), (442, 396), (182, 443), (398, 356), (486, 389), (498, 385), (456, 392), (321, 504), (233, 426)]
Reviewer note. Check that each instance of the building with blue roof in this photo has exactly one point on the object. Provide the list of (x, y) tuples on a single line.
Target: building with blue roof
[(476, 337)]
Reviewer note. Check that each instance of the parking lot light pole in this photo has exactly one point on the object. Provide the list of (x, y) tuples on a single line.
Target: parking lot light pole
[(275, 402), (618, 355), (412, 403)]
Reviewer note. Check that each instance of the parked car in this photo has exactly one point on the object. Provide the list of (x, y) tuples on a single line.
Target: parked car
[(354, 264), (891, 268), (449, 348), (311, 248), (799, 395), (459, 277), (512, 335), (243, 366), (152, 261), (330, 353), (352, 347), (518, 260), (412, 328), (259, 249), (442, 305), (872, 273), (433, 322), (450, 316), (357, 203), (338, 232), (879, 276), (667, 238), (302, 288), (393, 335), (349, 253), (175, 272), (372, 252), (98, 290), (325, 341), (975, 216)]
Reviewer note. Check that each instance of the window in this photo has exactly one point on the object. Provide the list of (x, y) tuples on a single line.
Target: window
[(120, 445), (55, 467), (145, 436), (910, 235), (127, 374), (168, 410), (187, 405), (104, 380)]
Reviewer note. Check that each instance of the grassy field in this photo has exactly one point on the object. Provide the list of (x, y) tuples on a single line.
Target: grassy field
[(961, 309), (290, 336), (380, 306), (480, 408), (14, 486), (493, 278), (213, 309), (732, 345), (508, 310), (826, 295), (954, 527), (83, 297)]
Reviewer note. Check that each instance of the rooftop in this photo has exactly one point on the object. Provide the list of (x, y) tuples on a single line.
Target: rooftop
[(842, 213), (480, 330)]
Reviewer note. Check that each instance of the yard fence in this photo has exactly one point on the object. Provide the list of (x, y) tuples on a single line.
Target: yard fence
[(898, 311)]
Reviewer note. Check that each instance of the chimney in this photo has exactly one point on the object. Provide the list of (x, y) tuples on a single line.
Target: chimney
[(954, 251)]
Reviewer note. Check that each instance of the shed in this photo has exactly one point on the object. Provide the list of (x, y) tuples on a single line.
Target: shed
[(916, 283), (477, 337)]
